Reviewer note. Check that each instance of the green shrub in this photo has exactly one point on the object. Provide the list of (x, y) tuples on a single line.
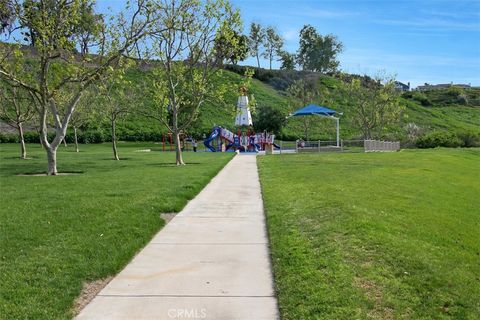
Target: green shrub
[(8, 138), (422, 98), (469, 139), (439, 139)]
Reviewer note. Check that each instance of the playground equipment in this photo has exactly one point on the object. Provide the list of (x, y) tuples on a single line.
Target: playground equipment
[(221, 140)]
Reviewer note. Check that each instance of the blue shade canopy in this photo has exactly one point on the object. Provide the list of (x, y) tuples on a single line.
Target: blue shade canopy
[(313, 109)]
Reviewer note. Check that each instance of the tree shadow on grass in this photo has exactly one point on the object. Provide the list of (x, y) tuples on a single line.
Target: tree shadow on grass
[(44, 174), (170, 164)]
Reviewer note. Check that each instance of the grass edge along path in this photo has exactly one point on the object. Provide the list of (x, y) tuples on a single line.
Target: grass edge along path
[(56, 233), (375, 236)]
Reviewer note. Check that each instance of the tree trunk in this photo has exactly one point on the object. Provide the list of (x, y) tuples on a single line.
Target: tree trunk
[(114, 140), (305, 127), (22, 141), (271, 63), (64, 142), (52, 161), (178, 149), (76, 138), (258, 61)]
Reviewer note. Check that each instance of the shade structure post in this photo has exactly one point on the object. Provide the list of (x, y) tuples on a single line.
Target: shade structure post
[(338, 131)]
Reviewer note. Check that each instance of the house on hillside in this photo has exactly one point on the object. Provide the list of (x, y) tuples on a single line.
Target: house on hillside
[(427, 86), (400, 86)]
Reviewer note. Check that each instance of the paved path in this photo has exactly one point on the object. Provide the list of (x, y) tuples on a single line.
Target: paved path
[(210, 262)]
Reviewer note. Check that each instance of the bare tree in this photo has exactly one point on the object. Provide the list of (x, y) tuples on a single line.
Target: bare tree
[(17, 108)]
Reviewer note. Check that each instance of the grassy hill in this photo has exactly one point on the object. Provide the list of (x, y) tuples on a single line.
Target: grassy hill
[(443, 111), (450, 109)]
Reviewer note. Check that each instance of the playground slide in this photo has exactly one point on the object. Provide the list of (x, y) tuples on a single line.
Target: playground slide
[(212, 136), (276, 146)]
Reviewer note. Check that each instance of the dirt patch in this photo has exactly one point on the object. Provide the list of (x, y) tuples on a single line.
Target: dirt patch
[(167, 216), (374, 292), (89, 291)]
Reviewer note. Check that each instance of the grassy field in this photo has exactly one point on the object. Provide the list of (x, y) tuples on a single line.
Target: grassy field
[(375, 236), (58, 232)]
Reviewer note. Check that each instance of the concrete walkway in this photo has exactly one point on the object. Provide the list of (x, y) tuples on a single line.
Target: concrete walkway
[(210, 262)]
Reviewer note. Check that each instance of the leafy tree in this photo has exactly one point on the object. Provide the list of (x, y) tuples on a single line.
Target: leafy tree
[(118, 97), (231, 46), (182, 86), (57, 77), (7, 14), (256, 40), (375, 105), (16, 109), (288, 60), (269, 119), (89, 28), (273, 45), (301, 93), (317, 52)]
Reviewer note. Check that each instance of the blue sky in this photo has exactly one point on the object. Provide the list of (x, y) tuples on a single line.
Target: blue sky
[(434, 41)]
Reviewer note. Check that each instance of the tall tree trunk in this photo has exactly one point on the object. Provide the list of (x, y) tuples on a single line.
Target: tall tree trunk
[(64, 142), (305, 127), (52, 161), (22, 141), (258, 61), (271, 63), (178, 149), (76, 138), (114, 140)]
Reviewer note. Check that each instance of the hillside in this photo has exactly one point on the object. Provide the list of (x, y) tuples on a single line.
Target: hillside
[(448, 109), (442, 113)]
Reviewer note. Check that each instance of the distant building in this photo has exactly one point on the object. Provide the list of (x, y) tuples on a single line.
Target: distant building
[(400, 86), (427, 86)]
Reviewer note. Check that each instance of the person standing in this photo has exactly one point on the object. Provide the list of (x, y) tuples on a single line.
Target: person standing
[(194, 145)]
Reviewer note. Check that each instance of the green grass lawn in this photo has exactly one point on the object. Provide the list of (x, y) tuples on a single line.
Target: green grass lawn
[(58, 232), (375, 236)]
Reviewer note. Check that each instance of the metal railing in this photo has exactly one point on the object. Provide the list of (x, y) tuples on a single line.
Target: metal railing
[(301, 146), (381, 146)]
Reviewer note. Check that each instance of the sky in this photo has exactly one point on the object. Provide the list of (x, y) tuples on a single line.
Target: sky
[(418, 41)]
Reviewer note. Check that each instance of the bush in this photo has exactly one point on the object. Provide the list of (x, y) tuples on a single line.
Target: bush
[(469, 139), (422, 98), (439, 139), (8, 138)]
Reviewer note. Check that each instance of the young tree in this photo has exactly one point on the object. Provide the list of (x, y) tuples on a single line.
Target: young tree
[(288, 60), (273, 45), (56, 69), (317, 52), (256, 39), (186, 51), (118, 97), (17, 108), (375, 105), (305, 92)]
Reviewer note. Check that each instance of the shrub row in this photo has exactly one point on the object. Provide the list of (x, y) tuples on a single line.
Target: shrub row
[(464, 139), (85, 137)]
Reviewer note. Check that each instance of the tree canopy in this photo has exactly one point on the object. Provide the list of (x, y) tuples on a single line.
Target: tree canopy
[(317, 52)]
